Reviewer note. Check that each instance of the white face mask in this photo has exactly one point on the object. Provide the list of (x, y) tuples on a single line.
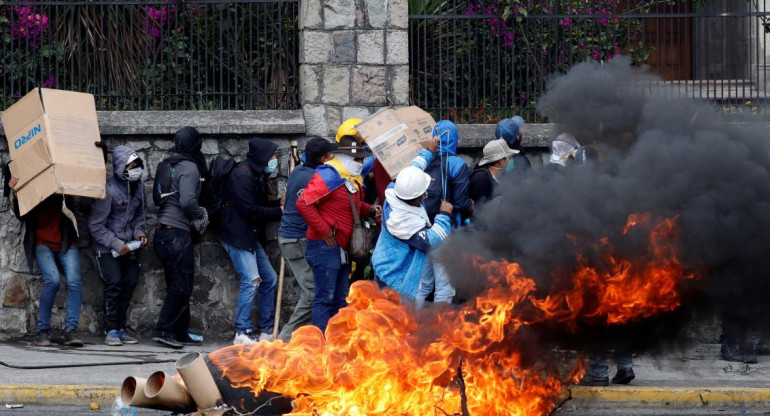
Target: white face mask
[(134, 174), (354, 168)]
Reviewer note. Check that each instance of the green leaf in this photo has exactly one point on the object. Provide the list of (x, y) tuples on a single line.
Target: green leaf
[(522, 11)]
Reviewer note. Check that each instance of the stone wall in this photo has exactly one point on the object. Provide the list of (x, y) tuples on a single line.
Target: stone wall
[(354, 59), (216, 284)]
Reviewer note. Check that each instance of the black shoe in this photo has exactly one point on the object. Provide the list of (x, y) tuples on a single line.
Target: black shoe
[(593, 381), (750, 356), (169, 342), (71, 339), (623, 376), (186, 340), (730, 352), (43, 339)]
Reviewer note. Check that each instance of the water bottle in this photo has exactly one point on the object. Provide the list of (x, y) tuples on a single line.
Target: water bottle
[(132, 245), (121, 409)]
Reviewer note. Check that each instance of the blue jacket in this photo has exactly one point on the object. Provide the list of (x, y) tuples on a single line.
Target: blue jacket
[(292, 223), (400, 263), (120, 216), (459, 177)]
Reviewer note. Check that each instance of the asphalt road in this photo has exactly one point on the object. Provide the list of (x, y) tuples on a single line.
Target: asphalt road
[(34, 410)]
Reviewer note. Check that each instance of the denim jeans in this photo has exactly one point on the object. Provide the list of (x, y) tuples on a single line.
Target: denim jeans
[(599, 366), (119, 277), (175, 251), (435, 275), (257, 277), (293, 250), (70, 264), (330, 279)]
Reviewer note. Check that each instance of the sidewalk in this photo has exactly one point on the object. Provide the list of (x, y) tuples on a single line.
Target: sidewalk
[(688, 379)]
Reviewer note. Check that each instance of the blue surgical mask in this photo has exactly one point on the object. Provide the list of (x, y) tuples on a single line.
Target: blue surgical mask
[(272, 165), (510, 166)]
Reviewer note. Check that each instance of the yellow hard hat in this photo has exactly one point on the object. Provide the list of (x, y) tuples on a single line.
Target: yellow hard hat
[(348, 128)]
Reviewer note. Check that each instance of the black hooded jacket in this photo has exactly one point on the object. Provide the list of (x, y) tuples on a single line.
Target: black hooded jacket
[(247, 208)]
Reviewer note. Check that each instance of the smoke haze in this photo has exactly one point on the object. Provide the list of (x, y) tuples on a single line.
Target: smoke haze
[(659, 155)]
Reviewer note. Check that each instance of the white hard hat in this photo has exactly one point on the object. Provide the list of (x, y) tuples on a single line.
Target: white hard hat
[(411, 183)]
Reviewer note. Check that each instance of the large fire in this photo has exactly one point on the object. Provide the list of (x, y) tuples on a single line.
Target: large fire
[(381, 357)]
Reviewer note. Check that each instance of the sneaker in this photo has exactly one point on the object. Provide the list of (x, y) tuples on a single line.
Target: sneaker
[(730, 352), (245, 338), (43, 339), (71, 339), (125, 338), (623, 376), (187, 340), (113, 338), (168, 341), (593, 381), (266, 337)]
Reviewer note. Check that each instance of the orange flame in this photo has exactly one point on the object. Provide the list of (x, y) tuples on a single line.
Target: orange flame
[(381, 357)]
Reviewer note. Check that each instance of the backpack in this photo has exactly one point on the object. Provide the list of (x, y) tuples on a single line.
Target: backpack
[(161, 186), (435, 192), (212, 195)]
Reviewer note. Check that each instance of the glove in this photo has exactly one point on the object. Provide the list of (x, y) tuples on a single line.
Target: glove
[(201, 223)]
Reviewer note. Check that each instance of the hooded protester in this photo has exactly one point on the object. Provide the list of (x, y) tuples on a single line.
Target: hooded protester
[(484, 180), (115, 222), (326, 206), (50, 238), (292, 234), (247, 209), (449, 182), (179, 213), (511, 130), (563, 149), (400, 258)]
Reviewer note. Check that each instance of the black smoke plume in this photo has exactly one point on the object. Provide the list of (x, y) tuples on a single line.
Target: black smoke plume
[(666, 156)]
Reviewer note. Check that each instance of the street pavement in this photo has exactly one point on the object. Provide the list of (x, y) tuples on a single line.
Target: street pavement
[(691, 381)]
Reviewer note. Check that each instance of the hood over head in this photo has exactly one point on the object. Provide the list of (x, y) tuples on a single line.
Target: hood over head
[(120, 157), (260, 152), (446, 131), (187, 140)]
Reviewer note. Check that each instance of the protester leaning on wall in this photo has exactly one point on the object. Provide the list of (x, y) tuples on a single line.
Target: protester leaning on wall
[(292, 238), (179, 214), (117, 225), (247, 209)]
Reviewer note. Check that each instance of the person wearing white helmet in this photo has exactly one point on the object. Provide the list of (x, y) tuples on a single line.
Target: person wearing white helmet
[(400, 259)]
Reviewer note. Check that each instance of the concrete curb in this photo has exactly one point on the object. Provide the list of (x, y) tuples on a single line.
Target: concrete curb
[(584, 397), (680, 397), (58, 394)]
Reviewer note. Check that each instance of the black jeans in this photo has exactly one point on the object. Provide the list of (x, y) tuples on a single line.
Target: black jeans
[(174, 249), (119, 276)]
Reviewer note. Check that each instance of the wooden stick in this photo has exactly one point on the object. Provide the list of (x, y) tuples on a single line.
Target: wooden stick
[(282, 268)]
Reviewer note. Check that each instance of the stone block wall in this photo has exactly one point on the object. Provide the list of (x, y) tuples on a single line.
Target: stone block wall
[(354, 59)]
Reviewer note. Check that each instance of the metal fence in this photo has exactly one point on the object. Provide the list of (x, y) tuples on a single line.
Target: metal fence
[(154, 55), (481, 60)]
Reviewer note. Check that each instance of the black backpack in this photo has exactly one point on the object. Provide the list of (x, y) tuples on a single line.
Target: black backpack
[(435, 192), (161, 187), (212, 195)]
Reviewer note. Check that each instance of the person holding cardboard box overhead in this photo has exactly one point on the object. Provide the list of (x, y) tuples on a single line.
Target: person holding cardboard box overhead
[(50, 238), (178, 186), (117, 226)]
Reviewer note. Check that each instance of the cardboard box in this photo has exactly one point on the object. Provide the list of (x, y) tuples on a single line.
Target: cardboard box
[(51, 135), (395, 135)]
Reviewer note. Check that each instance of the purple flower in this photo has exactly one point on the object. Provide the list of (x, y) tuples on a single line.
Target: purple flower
[(49, 83), (595, 54), (565, 22)]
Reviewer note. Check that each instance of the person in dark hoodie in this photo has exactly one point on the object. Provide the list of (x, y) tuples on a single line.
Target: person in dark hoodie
[(115, 222), (179, 212), (246, 211), (50, 238), (292, 234)]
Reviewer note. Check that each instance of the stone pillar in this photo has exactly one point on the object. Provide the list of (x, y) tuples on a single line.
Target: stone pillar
[(354, 59)]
